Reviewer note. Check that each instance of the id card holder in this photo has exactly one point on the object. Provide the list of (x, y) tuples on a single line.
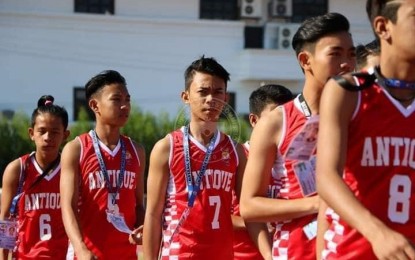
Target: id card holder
[(303, 145), (112, 206), (310, 230), (8, 234), (305, 171), (118, 221)]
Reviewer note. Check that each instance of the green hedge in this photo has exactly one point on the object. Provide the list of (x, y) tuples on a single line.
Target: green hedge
[(144, 128)]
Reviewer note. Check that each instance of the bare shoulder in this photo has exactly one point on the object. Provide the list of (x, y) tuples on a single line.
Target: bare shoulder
[(269, 126), (72, 149), (161, 149), (12, 169)]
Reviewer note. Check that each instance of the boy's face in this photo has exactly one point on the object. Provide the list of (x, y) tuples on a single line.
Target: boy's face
[(333, 54), (206, 96), (111, 104), (403, 32)]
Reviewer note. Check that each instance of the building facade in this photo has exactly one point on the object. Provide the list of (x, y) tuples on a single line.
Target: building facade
[(54, 47)]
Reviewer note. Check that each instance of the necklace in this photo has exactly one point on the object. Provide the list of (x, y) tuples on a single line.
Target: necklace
[(393, 83)]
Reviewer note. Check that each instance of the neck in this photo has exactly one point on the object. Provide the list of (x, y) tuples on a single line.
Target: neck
[(44, 161), (108, 135), (312, 96), (203, 131)]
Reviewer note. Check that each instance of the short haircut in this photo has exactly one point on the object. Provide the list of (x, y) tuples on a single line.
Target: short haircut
[(205, 65), (317, 27), (385, 8), (268, 94), (102, 79), (45, 105), (363, 51)]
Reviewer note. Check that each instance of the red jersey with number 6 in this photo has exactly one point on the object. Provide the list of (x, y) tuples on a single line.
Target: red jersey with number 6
[(41, 233), (207, 232), (380, 171)]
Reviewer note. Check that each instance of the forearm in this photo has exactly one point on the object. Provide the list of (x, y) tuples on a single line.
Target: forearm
[(322, 227), (72, 229), (261, 209), (152, 238), (259, 234)]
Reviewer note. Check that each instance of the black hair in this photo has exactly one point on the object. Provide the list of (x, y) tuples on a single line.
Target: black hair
[(45, 105), (102, 79), (362, 51), (267, 94), (205, 65), (385, 8), (314, 28)]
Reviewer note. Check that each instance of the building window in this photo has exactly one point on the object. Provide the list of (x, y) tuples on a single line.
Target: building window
[(303, 9), (79, 103), (94, 6), (219, 9)]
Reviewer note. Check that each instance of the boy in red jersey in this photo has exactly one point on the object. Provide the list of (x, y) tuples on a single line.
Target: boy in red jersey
[(367, 141), (261, 101), (324, 48), (103, 177), (192, 175), (31, 188)]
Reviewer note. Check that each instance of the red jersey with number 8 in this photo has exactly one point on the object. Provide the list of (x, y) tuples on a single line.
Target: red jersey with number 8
[(380, 171)]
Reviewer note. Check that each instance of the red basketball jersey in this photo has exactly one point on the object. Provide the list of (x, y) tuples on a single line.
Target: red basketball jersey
[(290, 240), (41, 233), (100, 236), (207, 232), (380, 171)]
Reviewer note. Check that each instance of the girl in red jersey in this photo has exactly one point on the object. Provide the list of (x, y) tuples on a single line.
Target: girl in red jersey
[(193, 172), (31, 188), (366, 142), (103, 178)]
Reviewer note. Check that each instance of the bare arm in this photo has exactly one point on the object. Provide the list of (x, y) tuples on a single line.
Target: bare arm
[(255, 205), (158, 177), (69, 197), (258, 232), (135, 237), (336, 108), (11, 177)]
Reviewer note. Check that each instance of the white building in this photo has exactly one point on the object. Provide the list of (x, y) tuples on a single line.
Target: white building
[(46, 47)]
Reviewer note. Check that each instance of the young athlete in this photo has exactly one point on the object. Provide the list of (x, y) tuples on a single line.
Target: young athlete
[(366, 138), (261, 101), (285, 139), (193, 172), (103, 177), (31, 188)]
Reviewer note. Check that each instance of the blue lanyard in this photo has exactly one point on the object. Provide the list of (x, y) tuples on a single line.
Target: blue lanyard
[(193, 189), (104, 169)]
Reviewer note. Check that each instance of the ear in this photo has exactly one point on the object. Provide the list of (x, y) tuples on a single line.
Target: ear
[(304, 60), (253, 119), (31, 133), (66, 134), (185, 97), (92, 103), (381, 26)]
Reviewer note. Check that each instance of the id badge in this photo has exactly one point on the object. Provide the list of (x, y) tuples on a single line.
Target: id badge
[(304, 143), (118, 221), (8, 234), (305, 171), (310, 230)]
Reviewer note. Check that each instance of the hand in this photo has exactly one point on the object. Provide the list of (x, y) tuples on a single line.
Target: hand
[(389, 244), (136, 237), (86, 254)]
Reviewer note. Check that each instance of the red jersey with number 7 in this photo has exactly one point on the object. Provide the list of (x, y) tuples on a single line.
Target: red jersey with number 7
[(207, 232), (380, 171)]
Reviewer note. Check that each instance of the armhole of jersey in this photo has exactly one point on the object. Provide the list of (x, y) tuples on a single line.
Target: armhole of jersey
[(171, 149), (81, 154), (283, 128), (135, 150), (234, 143)]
